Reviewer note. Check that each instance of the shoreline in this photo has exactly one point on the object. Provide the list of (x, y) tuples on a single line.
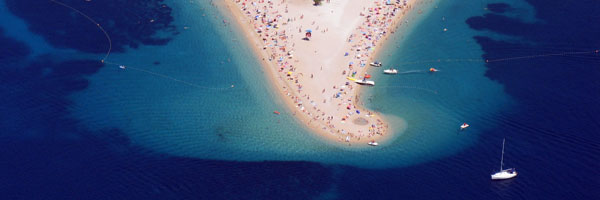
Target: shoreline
[(379, 132)]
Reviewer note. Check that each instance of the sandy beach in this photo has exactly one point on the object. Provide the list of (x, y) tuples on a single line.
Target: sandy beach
[(314, 54)]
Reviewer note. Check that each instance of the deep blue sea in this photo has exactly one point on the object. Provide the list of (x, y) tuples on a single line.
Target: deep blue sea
[(190, 116)]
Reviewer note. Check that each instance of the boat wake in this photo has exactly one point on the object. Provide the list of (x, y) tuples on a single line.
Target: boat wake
[(412, 72), (435, 92)]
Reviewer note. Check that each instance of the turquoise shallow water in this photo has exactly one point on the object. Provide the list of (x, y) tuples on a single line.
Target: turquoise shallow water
[(435, 104), (170, 129), (185, 105)]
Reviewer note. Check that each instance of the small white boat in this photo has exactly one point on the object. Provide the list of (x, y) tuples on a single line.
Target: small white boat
[(390, 71), (373, 143), (122, 66), (504, 173), (464, 126), (365, 82), (376, 64)]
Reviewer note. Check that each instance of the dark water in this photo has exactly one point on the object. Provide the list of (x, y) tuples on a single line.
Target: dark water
[(130, 23), (552, 132)]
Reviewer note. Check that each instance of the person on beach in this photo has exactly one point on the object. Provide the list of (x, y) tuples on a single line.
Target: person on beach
[(266, 17)]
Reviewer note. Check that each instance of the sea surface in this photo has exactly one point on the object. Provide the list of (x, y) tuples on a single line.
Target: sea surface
[(181, 109)]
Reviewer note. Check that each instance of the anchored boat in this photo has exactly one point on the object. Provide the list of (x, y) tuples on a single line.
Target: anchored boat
[(376, 64), (365, 82), (504, 173), (373, 143)]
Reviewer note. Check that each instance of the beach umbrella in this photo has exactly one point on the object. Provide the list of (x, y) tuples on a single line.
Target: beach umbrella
[(309, 31)]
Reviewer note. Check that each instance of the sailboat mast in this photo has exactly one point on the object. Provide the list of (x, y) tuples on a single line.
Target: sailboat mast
[(502, 159)]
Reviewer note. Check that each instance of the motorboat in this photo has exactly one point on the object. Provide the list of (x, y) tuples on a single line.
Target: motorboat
[(364, 82), (390, 71), (464, 126), (504, 173), (376, 64), (373, 143), (433, 69), (122, 66)]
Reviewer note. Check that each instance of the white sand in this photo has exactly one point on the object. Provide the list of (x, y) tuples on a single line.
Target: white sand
[(307, 79)]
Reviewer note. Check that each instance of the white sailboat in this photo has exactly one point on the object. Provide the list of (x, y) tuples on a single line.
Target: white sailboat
[(504, 173)]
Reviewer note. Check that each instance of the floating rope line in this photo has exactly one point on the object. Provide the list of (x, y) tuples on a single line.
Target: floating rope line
[(123, 67), (540, 55), (104, 60), (448, 60), (444, 60), (414, 88), (479, 60), (93, 21)]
